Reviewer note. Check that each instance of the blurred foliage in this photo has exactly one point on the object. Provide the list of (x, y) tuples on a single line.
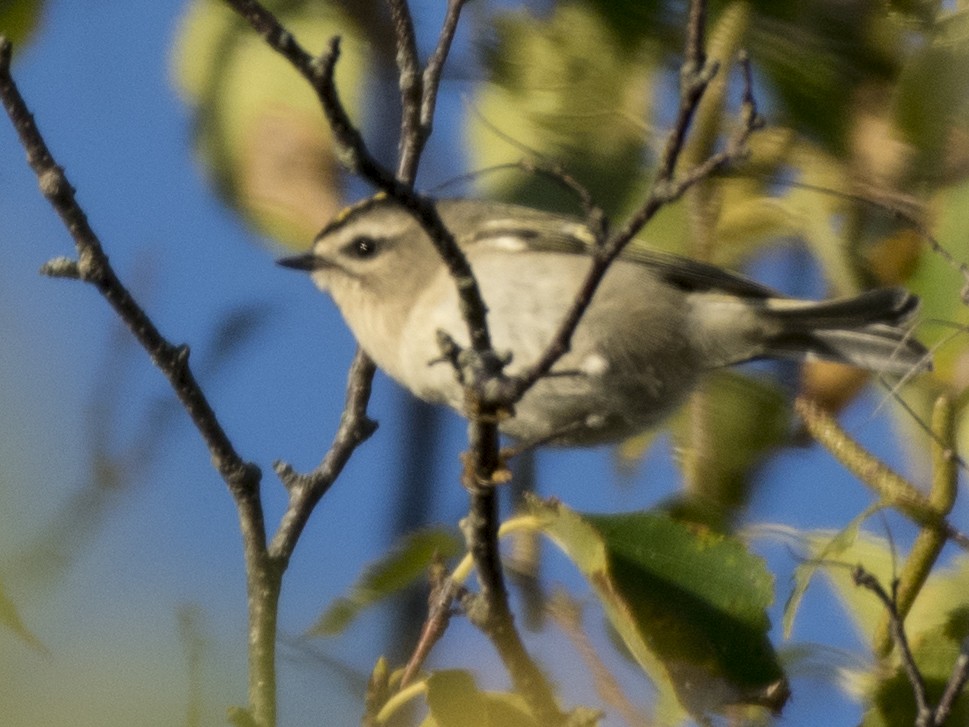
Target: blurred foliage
[(11, 619), (259, 130), (740, 420), (408, 562), (572, 96), (937, 625), (454, 700), (825, 549), (19, 19)]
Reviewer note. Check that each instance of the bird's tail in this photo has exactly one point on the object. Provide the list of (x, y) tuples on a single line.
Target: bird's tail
[(870, 330)]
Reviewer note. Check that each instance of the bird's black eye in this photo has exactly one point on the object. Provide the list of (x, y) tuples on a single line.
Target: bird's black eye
[(362, 248)]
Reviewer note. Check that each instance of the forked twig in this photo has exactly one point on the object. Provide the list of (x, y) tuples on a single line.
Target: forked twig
[(866, 580), (926, 714)]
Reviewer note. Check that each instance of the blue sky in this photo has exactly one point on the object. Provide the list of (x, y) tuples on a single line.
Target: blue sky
[(97, 78)]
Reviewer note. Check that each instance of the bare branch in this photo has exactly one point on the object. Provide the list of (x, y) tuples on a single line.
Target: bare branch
[(411, 140), (490, 610), (418, 89), (435, 65), (695, 76), (483, 366), (955, 685), (444, 592), (866, 580), (418, 97), (242, 477), (926, 716), (306, 490), (92, 267)]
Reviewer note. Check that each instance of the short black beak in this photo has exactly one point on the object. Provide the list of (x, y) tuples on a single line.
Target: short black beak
[(307, 262)]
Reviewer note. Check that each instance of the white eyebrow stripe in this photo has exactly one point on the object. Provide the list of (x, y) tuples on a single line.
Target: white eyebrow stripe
[(508, 242)]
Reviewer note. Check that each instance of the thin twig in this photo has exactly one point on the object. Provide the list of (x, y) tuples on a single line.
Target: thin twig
[(667, 188), (92, 267), (926, 716), (957, 536), (306, 490), (866, 580), (435, 65), (924, 426), (411, 140), (955, 685), (695, 76), (418, 89), (444, 592), (567, 614)]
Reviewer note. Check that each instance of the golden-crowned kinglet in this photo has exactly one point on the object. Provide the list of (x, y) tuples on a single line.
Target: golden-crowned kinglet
[(655, 325)]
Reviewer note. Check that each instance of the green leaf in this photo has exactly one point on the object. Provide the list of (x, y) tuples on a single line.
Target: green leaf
[(689, 604), (406, 563), (824, 552), (454, 700)]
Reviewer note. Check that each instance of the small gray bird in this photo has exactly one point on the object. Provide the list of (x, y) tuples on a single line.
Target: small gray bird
[(657, 323)]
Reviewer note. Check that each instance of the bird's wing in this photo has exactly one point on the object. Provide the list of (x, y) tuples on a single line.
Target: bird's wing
[(511, 225), (695, 275)]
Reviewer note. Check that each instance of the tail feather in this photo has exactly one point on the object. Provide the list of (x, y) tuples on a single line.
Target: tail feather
[(891, 306), (868, 330)]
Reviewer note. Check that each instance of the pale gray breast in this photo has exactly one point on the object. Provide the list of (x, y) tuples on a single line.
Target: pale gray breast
[(629, 351)]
